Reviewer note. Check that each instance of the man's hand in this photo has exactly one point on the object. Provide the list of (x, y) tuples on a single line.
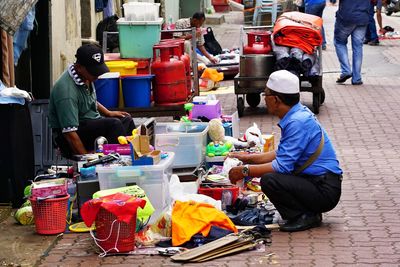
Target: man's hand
[(239, 155), (236, 174), (213, 60), (117, 114), (198, 33)]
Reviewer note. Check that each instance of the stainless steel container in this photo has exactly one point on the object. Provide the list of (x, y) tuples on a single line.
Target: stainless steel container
[(256, 65)]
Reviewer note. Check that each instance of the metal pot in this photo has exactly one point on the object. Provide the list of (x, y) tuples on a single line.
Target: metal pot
[(257, 66)]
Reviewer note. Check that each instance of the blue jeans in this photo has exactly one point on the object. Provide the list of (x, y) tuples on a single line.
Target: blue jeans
[(371, 34), (341, 35), (317, 10)]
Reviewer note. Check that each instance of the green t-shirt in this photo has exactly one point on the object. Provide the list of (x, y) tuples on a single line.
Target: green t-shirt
[(71, 103)]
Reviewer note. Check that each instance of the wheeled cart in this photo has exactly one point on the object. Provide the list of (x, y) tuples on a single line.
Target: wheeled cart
[(250, 88), (253, 98), (250, 94)]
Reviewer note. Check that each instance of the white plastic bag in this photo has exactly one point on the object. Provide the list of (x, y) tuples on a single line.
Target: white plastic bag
[(177, 193)]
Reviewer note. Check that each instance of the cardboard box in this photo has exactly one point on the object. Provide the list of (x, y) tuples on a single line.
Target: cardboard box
[(269, 142), (141, 153), (47, 188)]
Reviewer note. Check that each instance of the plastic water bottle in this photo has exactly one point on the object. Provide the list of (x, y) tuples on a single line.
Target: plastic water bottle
[(99, 143)]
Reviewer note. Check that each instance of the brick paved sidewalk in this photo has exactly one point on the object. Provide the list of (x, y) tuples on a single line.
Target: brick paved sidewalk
[(363, 123)]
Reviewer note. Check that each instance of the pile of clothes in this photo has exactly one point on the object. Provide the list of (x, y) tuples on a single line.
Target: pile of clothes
[(295, 37)]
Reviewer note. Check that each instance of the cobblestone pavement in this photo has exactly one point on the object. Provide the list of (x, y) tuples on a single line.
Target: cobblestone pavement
[(363, 123)]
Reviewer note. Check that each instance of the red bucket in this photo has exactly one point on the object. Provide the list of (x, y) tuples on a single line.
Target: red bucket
[(113, 235), (50, 215)]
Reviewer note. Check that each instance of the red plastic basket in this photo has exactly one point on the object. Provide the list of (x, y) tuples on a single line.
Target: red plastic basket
[(113, 235), (50, 215), (218, 192)]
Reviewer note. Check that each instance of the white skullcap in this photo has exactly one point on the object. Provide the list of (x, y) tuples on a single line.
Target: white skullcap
[(283, 81)]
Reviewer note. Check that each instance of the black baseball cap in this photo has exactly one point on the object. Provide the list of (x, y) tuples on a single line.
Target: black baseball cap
[(92, 58)]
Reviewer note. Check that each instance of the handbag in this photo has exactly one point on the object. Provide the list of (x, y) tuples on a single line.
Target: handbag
[(211, 44)]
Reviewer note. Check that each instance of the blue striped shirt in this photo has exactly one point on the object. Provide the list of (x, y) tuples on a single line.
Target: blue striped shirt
[(301, 135)]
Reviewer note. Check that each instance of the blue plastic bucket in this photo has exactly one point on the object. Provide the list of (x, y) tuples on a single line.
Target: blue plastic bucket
[(107, 87), (137, 90)]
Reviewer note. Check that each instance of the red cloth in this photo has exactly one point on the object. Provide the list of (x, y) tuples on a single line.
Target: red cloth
[(123, 206), (296, 29)]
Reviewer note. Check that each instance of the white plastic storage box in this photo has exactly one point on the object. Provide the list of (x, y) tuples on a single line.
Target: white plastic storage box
[(137, 38), (187, 140), (153, 179), (141, 11)]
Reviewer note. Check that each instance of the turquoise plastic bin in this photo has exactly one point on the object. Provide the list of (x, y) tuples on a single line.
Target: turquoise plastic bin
[(137, 90), (137, 38)]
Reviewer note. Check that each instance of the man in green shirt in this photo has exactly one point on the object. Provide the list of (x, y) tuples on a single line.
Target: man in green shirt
[(75, 116)]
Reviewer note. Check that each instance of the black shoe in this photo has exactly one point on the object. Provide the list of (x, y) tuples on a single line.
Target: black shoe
[(343, 78), (357, 83), (302, 223), (366, 41), (374, 42)]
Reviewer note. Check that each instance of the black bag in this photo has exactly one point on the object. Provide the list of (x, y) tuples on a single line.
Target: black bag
[(211, 44), (110, 25)]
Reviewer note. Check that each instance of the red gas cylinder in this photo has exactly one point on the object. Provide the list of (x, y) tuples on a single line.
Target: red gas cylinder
[(170, 80), (185, 58), (258, 43)]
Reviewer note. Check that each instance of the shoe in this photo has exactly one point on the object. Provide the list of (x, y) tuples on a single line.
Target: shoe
[(253, 217), (343, 78), (304, 222), (366, 41), (374, 42), (357, 83)]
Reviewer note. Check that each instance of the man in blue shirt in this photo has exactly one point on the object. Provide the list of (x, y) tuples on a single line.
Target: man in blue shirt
[(371, 36), (302, 178), (316, 7), (352, 19)]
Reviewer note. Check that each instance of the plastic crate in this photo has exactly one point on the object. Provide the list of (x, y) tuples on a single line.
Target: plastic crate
[(187, 140), (45, 153), (153, 179), (124, 67), (227, 194), (137, 38), (141, 11)]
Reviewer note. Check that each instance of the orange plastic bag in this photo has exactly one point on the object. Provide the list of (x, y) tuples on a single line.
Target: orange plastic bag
[(296, 29), (190, 218), (213, 75)]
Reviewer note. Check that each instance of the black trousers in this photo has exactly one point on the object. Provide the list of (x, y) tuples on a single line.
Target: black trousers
[(295, 195), (89, 130)]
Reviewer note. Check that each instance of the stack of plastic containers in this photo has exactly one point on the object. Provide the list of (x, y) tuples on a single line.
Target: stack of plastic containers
[(139, 31)]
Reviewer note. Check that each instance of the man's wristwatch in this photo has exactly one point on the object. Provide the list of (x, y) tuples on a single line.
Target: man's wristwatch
[(246, 170)]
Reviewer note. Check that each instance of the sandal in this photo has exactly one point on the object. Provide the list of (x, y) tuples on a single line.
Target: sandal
[(253, 217)]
